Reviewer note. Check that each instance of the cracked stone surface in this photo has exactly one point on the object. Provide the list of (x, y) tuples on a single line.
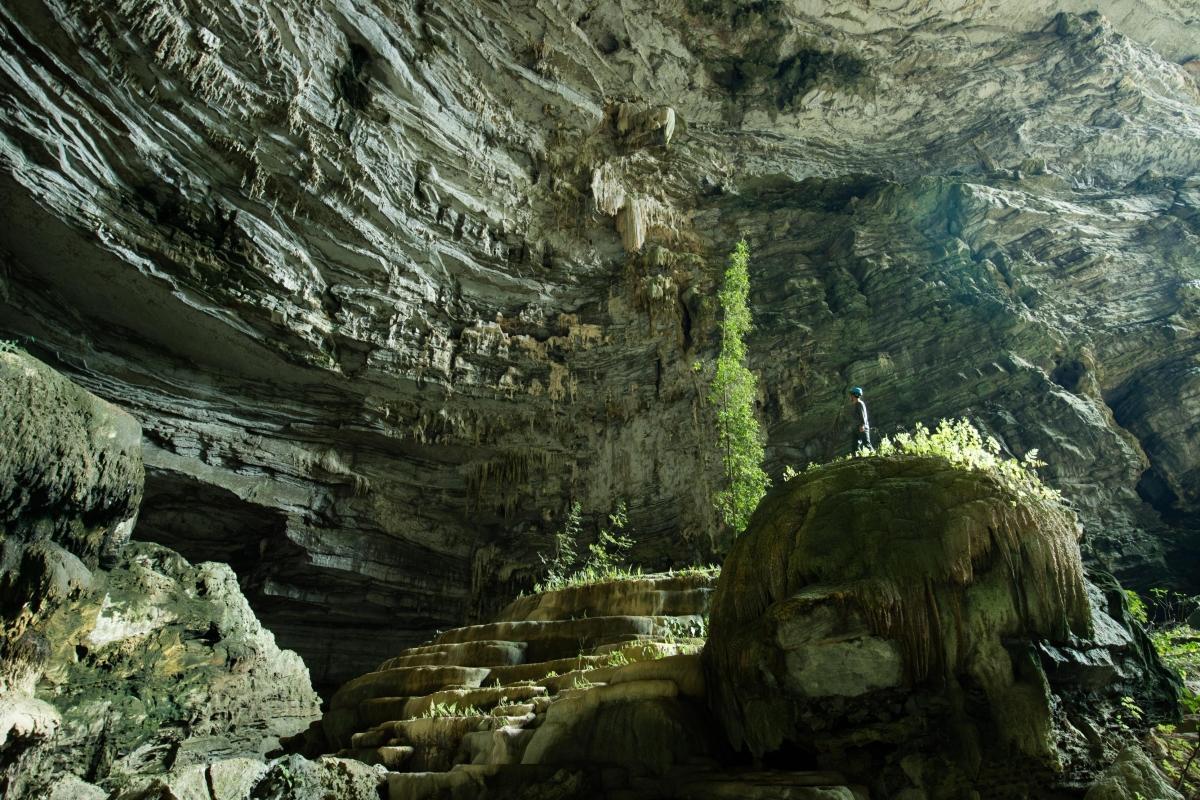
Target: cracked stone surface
[(388, 285)]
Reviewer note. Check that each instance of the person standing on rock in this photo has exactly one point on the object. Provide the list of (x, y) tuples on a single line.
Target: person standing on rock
[(862, 423)]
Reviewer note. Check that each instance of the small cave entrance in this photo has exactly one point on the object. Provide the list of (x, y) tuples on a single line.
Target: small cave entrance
[(1155, 490), (1069, 374), (203, 522)]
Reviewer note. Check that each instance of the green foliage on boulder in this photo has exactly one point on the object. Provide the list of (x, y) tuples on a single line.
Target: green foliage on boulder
[(962, 445), (732, 393)]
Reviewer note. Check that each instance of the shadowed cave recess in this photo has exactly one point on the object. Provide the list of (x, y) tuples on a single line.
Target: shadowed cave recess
[(389, 285)]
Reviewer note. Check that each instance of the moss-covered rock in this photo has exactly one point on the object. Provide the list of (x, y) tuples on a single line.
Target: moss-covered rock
[(70, 463), (905, 621), (123, 668), (70, 481)]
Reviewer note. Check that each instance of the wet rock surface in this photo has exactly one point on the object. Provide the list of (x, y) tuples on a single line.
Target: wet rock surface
[(387, 285), (924, 629)]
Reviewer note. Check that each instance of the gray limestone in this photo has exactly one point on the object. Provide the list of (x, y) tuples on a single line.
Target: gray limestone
[(124, 670), (387, 285)]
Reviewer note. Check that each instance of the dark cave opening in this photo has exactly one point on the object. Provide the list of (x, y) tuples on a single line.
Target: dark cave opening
[(203, 522)]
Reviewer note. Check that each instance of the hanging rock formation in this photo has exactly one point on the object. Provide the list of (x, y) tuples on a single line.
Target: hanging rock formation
[(924, 629), (388, 284)]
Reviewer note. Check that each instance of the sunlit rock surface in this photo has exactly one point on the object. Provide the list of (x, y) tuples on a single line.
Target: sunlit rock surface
[(387, 285), (571, 694), (121, 666)]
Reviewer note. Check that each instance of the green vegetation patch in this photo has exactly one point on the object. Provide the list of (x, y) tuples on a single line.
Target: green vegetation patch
[(732, 392), (1175, 747), (606, 558), (440, 710), (964, 447)]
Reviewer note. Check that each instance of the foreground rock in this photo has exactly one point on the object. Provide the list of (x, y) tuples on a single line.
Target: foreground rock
[(924, 629), (585, 692), (388, 284), (117, 680)]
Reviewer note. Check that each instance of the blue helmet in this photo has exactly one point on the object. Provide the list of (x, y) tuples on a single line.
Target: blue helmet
[(856, 391)]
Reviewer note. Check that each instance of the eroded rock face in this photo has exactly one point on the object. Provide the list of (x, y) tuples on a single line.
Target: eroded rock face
[(149, 670), (387, 285), (70, 481), (922, 628)]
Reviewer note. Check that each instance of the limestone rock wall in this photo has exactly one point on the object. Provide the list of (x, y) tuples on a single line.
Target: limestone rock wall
[(388, 285)]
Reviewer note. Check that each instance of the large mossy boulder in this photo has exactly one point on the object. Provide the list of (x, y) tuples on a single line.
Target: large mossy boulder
[(123, 668), (70, 463), (907, 621), (71, 479)]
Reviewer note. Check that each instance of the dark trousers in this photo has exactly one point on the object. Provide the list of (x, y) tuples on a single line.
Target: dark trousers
[(862, 439)]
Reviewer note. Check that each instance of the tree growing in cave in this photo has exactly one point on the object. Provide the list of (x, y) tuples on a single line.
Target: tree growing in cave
[(732, 392)]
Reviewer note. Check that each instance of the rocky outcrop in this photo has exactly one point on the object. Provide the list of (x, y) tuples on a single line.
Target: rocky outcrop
[(1131, 776), (70, 481), (387, 285), (583, 692), (148, 672), (926, 629)]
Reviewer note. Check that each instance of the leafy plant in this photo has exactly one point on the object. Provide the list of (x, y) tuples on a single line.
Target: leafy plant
[(612, 546), (732, 392), (440, 710), (704, 570), (1178, 644), (566, 551), (1137, 606), (606, 556), (961, 444), (1172, 607), (8, 346), (1131, 709), (616, 658)]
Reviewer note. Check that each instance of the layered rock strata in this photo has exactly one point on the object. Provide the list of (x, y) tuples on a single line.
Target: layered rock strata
[(585, 692), (388, 285), (139, 677), (928, 629)]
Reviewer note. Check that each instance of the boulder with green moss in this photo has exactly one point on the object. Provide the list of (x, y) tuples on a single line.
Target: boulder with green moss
[(922, 626), (124, 669)]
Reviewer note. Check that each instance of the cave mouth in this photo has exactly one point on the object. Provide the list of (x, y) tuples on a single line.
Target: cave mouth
[(1183, 551), (203, 522), (333, 621)]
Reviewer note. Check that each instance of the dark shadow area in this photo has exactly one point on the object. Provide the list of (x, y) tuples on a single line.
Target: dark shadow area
[(203, 522)]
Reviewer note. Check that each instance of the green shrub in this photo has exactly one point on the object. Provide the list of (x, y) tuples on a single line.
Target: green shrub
[(961, 444), (566, 551), (607, 556), (732, 392), (1137, 606), (1178, 644)]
